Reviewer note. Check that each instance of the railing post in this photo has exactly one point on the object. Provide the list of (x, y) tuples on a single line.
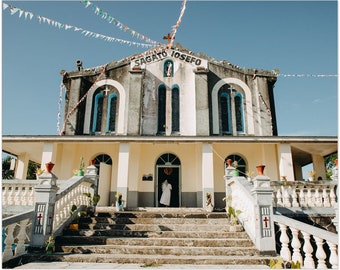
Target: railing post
[(336, 204), (264, 224), (45, 197)]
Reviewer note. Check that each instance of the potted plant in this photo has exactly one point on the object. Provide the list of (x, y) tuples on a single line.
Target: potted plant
[(119, 202), (235, 165), (74, 224), (81, 167), (38, 172), (311, 175), (232, 214), (50, 245), (209, 206), (92, 203)]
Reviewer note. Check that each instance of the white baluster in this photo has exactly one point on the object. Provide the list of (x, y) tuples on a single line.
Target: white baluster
[(320, 253), (22, 237), (333, 197), (8, 254), (286, 197), (31, 196), (10, 195), (23, 197), (310, 199), (308, 249), (318, 199), (302, 197), (279, 198), (295, 202), (333, 258), (296, 246), (5, 195), (325, 196), (284, 239), (17, 195)]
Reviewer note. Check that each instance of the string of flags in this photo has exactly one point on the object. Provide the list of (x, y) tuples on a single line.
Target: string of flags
[(27, 14), (175, 27), (308, 75), (105, 16)]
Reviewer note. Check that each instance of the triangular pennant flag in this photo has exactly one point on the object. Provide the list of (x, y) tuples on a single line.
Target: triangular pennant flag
[(4, 6)]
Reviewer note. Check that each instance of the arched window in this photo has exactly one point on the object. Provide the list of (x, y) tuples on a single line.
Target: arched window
[(239, 113), (168, 70), (98, 113), (161, 109), (225, 113), (241, 163), (175, 109), (111, 113)]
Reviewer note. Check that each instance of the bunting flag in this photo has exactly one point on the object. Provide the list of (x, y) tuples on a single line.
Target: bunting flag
[(175, 27), (308, 75), (14, 10), (105, 16)]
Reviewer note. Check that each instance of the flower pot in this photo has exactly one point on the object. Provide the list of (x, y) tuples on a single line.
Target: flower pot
[(49, 166), (80, 173), (92, 162), (74, 226), (235, 173), (260, 169), (229, 162)]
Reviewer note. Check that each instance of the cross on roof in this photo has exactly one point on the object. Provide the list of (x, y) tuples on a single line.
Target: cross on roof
[(106, 90), (169, 38)]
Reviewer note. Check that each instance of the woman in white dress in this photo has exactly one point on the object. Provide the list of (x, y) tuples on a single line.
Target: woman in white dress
[(166, 195)]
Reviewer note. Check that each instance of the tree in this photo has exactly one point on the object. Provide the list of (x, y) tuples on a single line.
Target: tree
[(329, 164), (7, 173)]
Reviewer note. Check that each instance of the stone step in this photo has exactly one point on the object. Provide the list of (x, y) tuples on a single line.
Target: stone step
[(160, 213), (161, 250), (185, 242), (157, 259), (153, 234), (154, 220), (156, 228)]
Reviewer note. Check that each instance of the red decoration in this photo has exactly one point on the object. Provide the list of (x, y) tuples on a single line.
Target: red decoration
[(92, 161), (260, 169), (229, 162), (49, 166), (168, 171)]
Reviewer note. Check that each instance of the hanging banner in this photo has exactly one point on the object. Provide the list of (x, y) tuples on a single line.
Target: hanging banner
[(169, 53)]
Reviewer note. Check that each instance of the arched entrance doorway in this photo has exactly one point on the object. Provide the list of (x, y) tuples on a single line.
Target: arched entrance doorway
[(103, 163), (168, 167)]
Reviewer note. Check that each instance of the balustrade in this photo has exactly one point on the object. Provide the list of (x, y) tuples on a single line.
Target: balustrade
[(18, 192), (320, 247), (304, 194)]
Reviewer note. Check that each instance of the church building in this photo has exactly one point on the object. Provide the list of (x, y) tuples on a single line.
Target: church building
[(169, 114)]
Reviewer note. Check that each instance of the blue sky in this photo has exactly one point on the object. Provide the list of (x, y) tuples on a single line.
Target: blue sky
[(295, 37)]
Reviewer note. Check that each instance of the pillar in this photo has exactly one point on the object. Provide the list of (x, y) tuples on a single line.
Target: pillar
[(22, 165), (319, 167), (45, 197), (207, 172), (286, 162), (264, 224), (123, 170), (48, 154)]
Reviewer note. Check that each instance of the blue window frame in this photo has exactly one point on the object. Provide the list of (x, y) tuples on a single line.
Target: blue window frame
[(225, 113), (175, 112), (111, 113), (161, 109), (97, 113), (239, 112)]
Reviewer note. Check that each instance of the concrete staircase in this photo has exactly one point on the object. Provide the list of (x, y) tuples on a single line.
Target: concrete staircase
[(157, 236)]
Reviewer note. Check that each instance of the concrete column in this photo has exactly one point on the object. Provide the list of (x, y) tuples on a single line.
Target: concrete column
[(207, 172), (319, 167), (22, 165), (168, 112), (48, 154), (202, 104), (71, 103), (123, 170), (45, 197), (286, 162), (264, 224)]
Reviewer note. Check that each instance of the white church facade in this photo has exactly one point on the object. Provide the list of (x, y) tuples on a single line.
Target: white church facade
[(169, 114)]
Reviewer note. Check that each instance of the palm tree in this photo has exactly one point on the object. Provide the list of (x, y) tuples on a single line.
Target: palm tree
[(7, 173)]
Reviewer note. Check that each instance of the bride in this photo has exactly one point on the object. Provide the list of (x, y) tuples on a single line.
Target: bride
[(166, 193)]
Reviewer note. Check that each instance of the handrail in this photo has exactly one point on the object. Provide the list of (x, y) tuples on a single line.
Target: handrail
[(314, 244)]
